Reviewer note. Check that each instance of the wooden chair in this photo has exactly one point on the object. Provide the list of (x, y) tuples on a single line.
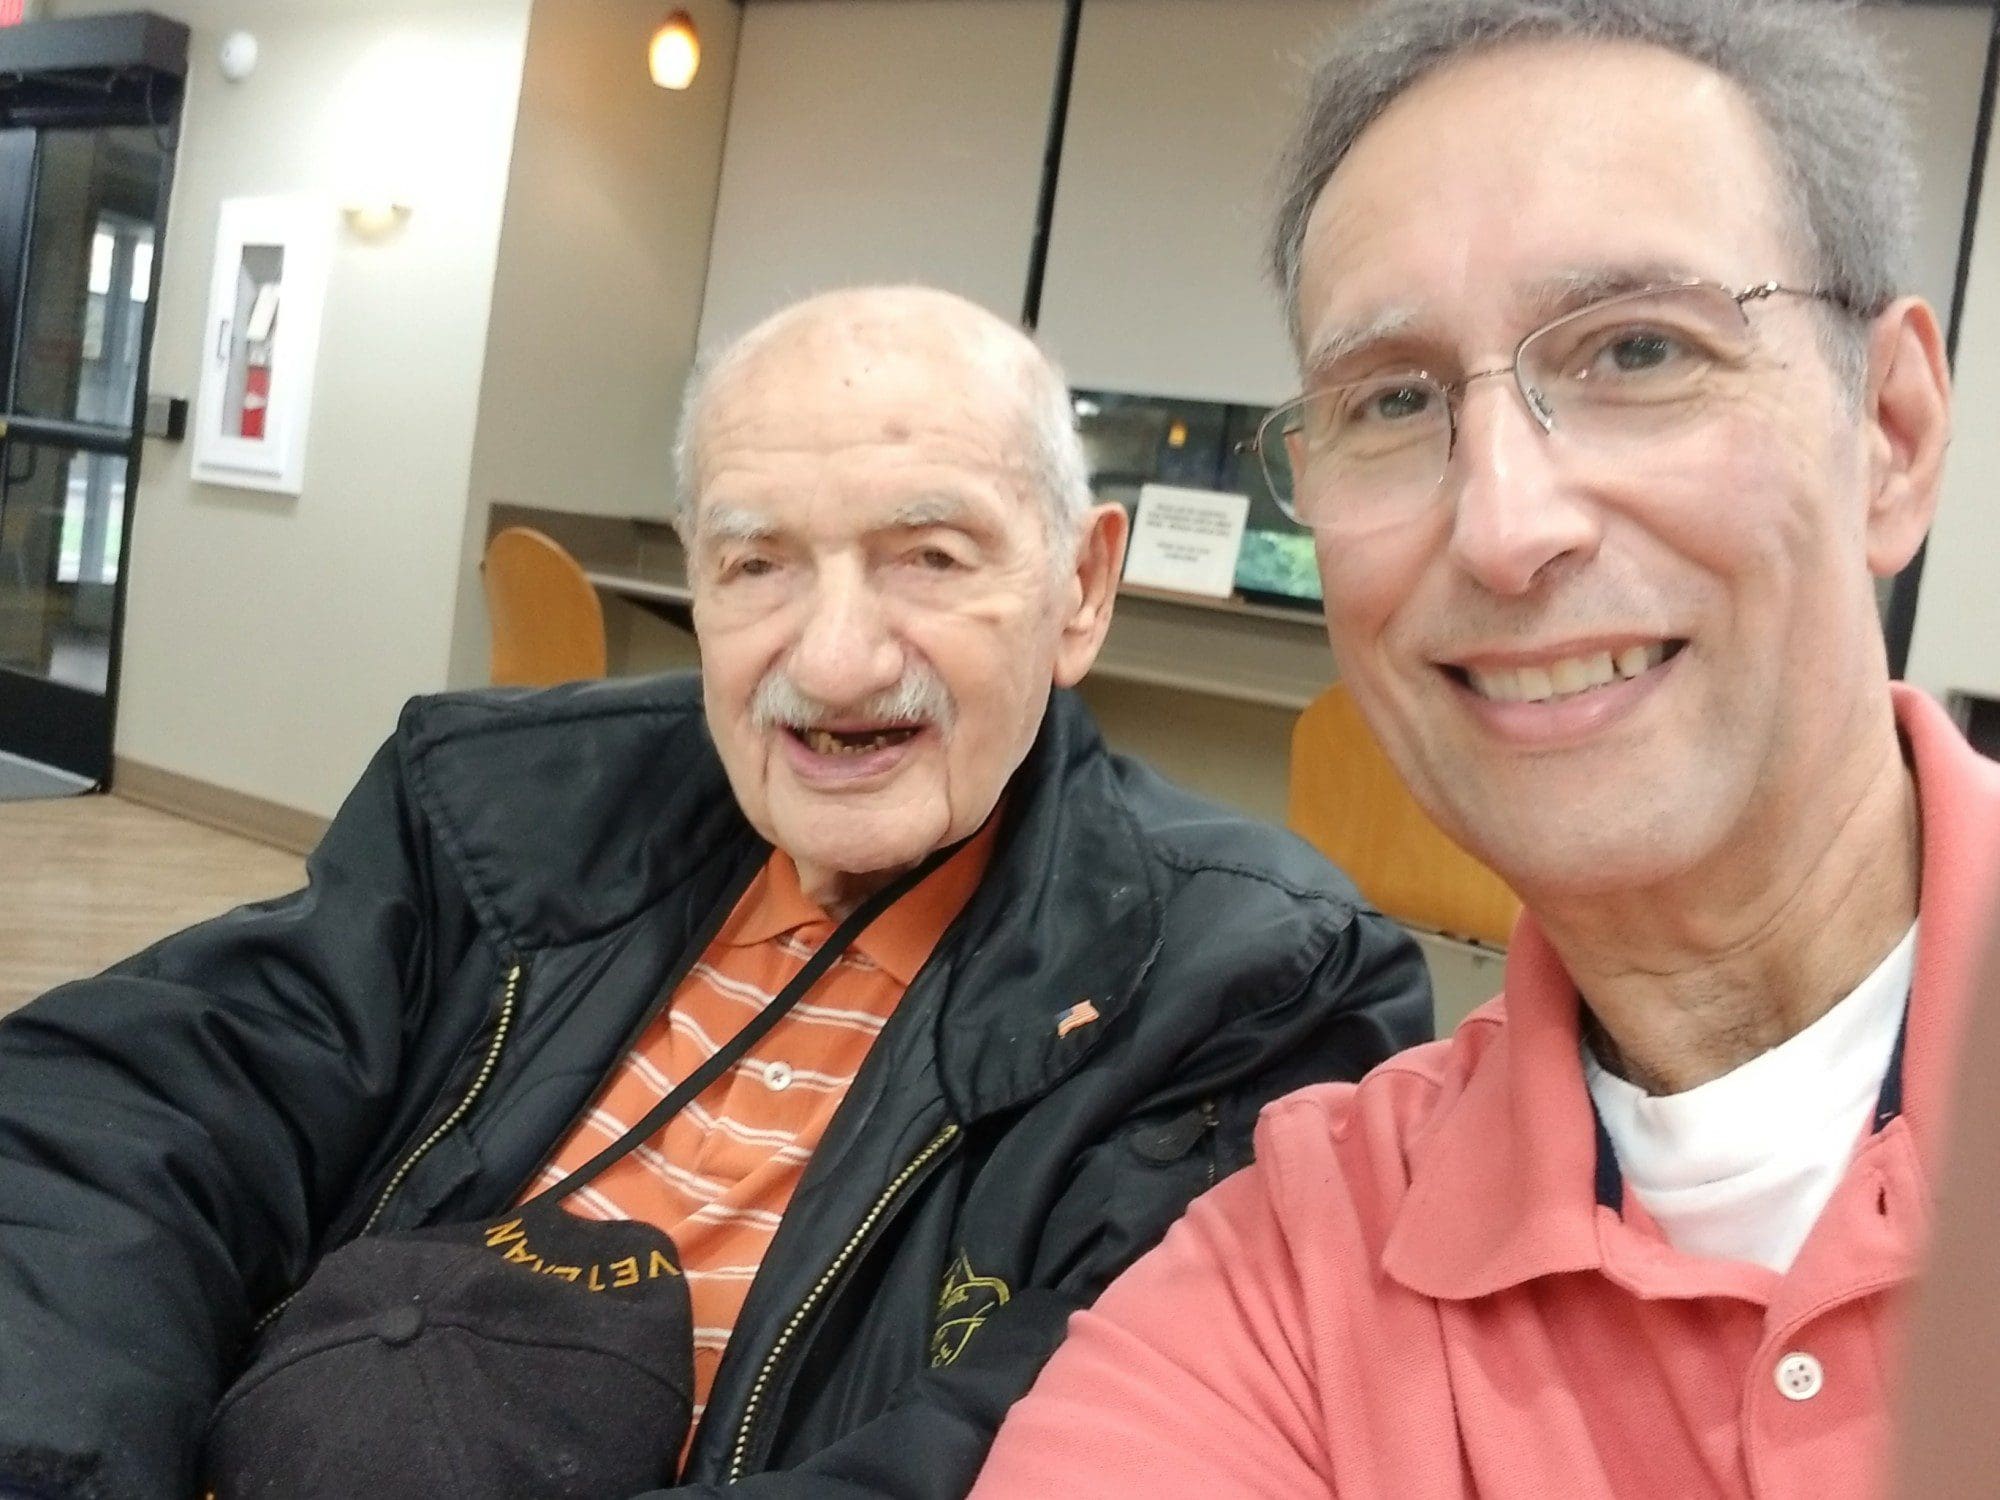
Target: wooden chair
[(1347, 800), (548, 623)]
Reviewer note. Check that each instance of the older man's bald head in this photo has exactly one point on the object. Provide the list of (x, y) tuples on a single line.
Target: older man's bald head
[(855, 333)]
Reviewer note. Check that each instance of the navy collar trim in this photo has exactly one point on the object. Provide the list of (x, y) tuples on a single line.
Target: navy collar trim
[(1889, 1103)]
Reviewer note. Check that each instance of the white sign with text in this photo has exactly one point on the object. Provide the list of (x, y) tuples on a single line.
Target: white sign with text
[(1186, 540)]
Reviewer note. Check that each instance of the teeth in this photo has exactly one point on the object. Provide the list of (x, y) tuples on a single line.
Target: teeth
[(1575, 674), (1640, 660), (825, 742)]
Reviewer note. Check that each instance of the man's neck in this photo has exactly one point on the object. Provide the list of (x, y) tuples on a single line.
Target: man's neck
[(838, 892), (1686, 984)]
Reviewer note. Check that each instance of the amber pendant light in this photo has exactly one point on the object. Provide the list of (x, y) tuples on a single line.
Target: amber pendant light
[(675, 53)]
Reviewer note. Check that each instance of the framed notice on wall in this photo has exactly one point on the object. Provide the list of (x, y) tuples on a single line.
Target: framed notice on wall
[(262, 342)]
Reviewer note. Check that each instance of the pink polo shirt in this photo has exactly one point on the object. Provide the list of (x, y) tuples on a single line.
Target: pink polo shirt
[(1432, 1284)]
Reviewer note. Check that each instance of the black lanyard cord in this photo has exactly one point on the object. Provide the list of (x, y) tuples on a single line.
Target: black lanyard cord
[(731, 1052)]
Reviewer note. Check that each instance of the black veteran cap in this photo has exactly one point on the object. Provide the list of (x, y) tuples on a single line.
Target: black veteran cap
[(542, 1357)]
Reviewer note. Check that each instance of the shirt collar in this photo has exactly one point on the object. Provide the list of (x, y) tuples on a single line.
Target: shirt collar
[(1958, 805), (899, 941), (1504, 1187), (1511, 1182)]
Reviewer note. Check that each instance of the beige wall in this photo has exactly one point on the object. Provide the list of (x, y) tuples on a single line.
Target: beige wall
[(881, 140), (270, 641), (1156, 257), (598, 293)]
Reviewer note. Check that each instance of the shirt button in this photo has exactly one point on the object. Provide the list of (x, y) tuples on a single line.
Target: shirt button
[(1799, 1377), (777, 1076)]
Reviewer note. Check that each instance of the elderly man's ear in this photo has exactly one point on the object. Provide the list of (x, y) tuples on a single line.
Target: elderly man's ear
[(1909, 415), (1088, 593)]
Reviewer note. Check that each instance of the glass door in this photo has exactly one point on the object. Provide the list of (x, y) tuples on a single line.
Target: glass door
[(78, 233)]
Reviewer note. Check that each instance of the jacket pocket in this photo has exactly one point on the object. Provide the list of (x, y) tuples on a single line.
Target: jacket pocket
[(446, 1168), (1133, 1187), (1174, 1140)]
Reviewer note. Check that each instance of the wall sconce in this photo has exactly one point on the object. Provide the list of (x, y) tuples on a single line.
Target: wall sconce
[(675, 53), (237, 56)]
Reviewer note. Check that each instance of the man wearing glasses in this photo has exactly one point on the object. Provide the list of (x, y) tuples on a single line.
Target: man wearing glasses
[(1613, 412)]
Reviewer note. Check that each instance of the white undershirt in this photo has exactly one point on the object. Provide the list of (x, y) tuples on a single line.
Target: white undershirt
[(1739, 1168)]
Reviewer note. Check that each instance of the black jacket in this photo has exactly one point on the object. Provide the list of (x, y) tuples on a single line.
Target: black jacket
[(491, 918)]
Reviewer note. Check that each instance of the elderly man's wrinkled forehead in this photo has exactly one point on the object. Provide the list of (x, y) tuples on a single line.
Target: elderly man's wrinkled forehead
[(908, 358), (910, 323)]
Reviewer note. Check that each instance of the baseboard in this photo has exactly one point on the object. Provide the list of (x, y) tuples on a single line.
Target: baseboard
[(216, 807)]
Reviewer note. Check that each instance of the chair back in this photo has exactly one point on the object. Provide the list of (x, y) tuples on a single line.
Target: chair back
[(1346, 799), (548, 623)]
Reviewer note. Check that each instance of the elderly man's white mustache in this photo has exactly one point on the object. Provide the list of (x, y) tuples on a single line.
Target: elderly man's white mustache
[(919, 698)]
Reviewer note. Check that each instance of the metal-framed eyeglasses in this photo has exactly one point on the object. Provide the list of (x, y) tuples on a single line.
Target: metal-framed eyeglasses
[(1624, 371)]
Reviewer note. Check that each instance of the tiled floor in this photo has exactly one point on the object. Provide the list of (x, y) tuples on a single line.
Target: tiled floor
[(86, 881)]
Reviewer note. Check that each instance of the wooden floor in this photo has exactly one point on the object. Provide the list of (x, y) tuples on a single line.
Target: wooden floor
[(85, 881)]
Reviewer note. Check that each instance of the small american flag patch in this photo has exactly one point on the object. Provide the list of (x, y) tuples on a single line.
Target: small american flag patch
[(1078, 1015)]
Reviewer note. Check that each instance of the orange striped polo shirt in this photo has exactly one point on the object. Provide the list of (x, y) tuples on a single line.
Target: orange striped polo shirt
[(718, 1176)]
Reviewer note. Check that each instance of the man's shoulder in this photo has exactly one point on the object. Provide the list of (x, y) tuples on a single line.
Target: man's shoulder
[(444, 719), (1193, 835), (565, 810), (556, 757), (1375, 1127)]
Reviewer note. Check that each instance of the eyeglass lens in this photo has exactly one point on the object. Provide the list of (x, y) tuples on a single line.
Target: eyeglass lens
[(1616, 374)]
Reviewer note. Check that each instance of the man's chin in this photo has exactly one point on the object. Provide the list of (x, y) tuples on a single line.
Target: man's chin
[(852, 842), (1589, 848)]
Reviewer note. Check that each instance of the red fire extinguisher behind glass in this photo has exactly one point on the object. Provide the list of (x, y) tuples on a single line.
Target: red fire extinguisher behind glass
[(256, 399), (257, 361)]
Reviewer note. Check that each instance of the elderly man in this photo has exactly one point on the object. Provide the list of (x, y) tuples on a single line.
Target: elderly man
[(1612, 413), (1071, 989)]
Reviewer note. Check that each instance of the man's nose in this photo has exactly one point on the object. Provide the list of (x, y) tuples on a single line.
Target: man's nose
[(1514, 512), (845, 652)]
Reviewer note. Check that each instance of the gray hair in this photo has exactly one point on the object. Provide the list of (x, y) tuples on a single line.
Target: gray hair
[(1057, 468), (1832, 115)]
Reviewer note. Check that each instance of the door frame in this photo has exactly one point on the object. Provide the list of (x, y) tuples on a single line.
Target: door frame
[(144, 60)]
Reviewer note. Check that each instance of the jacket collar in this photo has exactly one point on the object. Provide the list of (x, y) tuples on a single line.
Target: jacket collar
[(1506, 1186), (568, 813), (1066, 924)]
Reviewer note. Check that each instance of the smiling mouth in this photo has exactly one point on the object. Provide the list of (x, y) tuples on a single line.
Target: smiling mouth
[(1567, 678), (855, 742)]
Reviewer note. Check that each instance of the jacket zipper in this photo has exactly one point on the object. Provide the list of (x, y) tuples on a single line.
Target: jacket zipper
[(509, 995), (740, 1456)]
